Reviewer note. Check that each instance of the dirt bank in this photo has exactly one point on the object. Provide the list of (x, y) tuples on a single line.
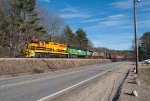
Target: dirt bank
[(142, 89), (24, 66)]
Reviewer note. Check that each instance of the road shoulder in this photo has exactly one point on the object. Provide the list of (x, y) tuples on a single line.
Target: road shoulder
[(142, 88), (100, 89)]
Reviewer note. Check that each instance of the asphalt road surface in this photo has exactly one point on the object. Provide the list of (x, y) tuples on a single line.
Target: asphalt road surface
[(48, 85)]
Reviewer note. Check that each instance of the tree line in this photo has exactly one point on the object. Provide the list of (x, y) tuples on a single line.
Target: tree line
[(22, 21), (144, 46), (77, 40)]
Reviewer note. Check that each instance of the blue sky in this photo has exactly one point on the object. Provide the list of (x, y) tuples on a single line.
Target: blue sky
[(108, 23)]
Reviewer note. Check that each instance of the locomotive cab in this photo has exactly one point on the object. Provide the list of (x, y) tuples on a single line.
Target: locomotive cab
[(37, 48)]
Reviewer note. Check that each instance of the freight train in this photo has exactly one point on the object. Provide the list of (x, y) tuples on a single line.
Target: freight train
[(37, 48), (42, 49)]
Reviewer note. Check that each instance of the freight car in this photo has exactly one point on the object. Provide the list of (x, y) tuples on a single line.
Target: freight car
[(98, 55), (37, 48), (116, 57)]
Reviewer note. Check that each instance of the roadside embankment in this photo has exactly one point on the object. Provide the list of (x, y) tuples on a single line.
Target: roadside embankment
[(25, 66), (142, 89)]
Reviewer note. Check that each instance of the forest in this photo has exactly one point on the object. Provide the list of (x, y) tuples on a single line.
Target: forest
[(144, 46), (23, 20)]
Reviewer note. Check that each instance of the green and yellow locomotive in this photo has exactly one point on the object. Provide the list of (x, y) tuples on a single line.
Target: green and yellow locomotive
[(37, 48)]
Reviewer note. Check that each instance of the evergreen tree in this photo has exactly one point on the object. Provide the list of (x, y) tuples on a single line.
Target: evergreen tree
[(5, 35), (82, 39), (25, 16), (68, 36), (22, 23), (18, 25), (144, 47)]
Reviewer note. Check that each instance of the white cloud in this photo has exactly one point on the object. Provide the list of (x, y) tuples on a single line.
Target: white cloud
[(145, 3), (92, 20), (116, 17), (69, 9), (111, 40), (144, 23), (74, 15), (123, 4), (146, 9), (110, 23), (45, 0), (126, 4), (113, 20), (73, 12), (125, 27)]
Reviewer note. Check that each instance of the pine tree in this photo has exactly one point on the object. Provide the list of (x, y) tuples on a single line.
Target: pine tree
[(19, 24), (25, 16), (144, 47), (68, 36), (24, 22), (82, 39), (5, 38)]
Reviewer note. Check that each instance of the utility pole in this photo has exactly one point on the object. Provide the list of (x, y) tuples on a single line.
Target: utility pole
[(136, 36)]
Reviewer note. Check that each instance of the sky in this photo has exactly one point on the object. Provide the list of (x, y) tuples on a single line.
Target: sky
[(108, 23)]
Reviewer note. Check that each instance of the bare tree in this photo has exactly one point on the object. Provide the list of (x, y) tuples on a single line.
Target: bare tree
[(52, 23)]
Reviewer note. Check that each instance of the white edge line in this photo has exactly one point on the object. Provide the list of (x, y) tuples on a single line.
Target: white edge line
[(29, 81), (76, 85)]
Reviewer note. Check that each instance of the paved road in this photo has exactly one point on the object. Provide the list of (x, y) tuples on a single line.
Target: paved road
[(40, 87)]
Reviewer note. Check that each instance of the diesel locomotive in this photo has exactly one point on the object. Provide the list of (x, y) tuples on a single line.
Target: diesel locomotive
[(43, 49), (37, 48)]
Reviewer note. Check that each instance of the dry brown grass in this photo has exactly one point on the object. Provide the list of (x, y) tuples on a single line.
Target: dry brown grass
[(27, 65), (38, 71)]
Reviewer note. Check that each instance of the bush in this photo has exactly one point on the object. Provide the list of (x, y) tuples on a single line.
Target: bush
[(38, 71)]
